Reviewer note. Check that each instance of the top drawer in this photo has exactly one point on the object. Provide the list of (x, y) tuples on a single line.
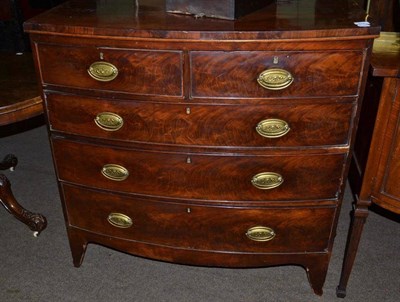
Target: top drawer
[(244, 73), (143, 72)]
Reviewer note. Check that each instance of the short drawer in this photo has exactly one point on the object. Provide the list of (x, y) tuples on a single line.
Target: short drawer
[(283, 125), (145, 72), (261, 74), (261, 230), (200, 176)]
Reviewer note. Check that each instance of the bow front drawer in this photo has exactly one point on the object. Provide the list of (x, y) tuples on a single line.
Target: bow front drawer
[(261, 230), (278, 125), (200, 176), (145, 72), (261, 74)]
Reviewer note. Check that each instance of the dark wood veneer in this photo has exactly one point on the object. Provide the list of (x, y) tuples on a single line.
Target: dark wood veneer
[(197, 227), (139, 71), (232, 74), (188, 94), (220, 125), (150, 20), (212, 177)]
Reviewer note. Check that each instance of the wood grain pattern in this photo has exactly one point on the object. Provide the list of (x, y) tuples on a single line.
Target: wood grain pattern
[(139, 71), (225, 125), (189, 139), (234, 74), (209, 177), (298, 230)]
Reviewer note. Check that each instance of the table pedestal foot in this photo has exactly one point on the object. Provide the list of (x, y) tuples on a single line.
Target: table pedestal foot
[(36, 222), (9, 162)]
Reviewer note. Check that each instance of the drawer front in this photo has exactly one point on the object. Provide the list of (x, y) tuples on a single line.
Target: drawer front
[(200, 227), (298, 74), (137, 71), (286, 125), (197, 176)]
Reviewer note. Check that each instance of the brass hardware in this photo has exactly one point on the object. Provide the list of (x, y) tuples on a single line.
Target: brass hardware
[(188, 160), (267, 180), (109, 121), (260, 233), (103, 71), (189, 210), (275, 79), (272, 128), (188, 111), (276, 60), (114, 172), (120, 220), (101, 56)]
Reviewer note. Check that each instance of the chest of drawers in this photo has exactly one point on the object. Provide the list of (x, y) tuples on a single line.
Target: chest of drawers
[(198, 141)]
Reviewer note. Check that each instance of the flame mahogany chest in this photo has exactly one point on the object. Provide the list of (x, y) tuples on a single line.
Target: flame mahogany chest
[(203, 141)]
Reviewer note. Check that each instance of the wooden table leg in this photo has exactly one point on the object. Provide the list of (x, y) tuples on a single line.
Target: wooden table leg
[(36, 222), (358, 219)]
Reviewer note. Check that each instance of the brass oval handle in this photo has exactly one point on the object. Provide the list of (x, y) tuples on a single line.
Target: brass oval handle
[(109, 121), (272, 128), (275, 79), (103, 71), (260, 233), (120, 220), (267, 180), (115, 172)]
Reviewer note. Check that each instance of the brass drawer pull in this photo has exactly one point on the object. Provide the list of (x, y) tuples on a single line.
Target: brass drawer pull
[(103, 71), (109, 121), (260, 233), (119, 220), (272, 128), (275, 79), (115, 172), (267, 180)]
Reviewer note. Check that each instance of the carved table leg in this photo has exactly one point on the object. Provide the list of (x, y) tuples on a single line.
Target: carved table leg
[(357, 223), (9, 162), (36, 222)]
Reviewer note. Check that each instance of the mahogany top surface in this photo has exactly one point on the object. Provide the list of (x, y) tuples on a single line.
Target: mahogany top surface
[(385, 60), (300, 19), (17, 78), (19, 92)]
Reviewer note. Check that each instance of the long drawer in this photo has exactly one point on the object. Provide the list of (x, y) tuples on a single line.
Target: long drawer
[(258, 74), (200, 176), (261, 230), (283, 125), (146, 72)]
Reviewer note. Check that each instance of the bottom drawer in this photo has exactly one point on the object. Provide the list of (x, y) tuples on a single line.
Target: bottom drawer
[(196, 227)]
